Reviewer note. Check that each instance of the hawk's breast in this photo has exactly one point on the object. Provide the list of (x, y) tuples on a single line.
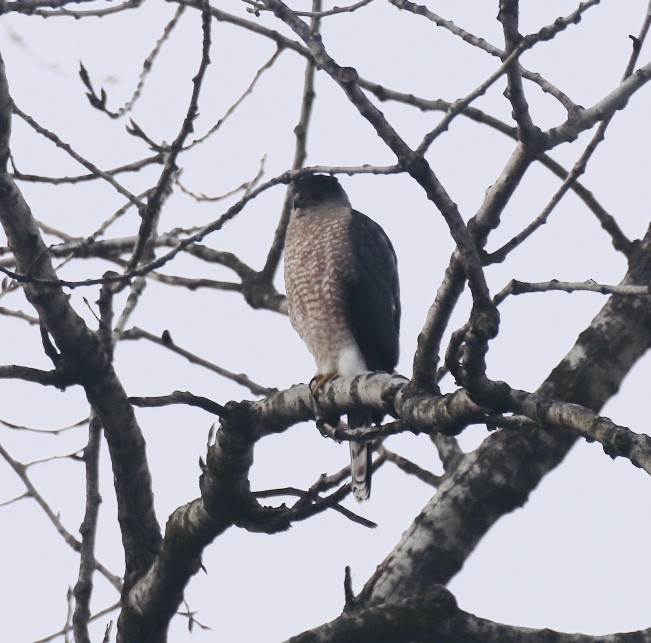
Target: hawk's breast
[(319, 263)]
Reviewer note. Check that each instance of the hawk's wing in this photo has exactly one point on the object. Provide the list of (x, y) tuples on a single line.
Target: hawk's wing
[(373, 294)]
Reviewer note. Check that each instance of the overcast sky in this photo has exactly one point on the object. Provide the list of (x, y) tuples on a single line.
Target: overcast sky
[(576, 558)]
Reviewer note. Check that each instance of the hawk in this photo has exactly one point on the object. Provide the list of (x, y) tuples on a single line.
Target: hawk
[(343, 296)]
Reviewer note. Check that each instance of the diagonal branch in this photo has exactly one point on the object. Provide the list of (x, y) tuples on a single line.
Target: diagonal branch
[(99, 102), (480, 43), (161, 191), (167, 341), (21, 471), (510, 464)]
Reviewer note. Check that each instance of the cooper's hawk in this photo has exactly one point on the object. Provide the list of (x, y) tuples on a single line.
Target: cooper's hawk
[(343, 296)]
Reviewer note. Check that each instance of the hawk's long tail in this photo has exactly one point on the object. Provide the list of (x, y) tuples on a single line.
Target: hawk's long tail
[(360, 459)]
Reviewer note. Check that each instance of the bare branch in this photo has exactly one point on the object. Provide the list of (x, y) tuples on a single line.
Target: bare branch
[(292, 491), (315, 13), (166, 340), (509, 464), (516, 46), (509, 17), (67, 629), (55, 432), (231, 110), (21, 471), (58, 378), (34, 7), (179, 397), (84, 587), (300, 154), (617, 441), (604, 108), (245, 186), (135, 166), (466, 36), (515, 287), (99, 102), (410, 468), (77, 157), (86, 359), (435, 616), (11, 501), (162, 190), (620, 242), (449, 451)]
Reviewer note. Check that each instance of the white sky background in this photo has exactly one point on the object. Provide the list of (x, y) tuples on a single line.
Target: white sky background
[(576, 558)]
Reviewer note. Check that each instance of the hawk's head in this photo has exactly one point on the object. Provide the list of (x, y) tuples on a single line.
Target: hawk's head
[(313, 190)]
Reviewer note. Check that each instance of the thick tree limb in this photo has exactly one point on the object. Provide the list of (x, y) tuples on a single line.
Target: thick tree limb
[(435, 616), (498, 477), (226, 498)]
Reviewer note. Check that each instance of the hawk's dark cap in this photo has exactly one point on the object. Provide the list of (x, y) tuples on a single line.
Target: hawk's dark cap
[(316, 189)]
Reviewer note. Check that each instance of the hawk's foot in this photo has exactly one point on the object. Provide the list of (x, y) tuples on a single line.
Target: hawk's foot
[(319, 381)]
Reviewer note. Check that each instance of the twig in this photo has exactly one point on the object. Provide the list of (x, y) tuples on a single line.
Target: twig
[(19, 314), (22, 496), (239, 101), (75, 456), (56, 378), (83, 589), (194, 284), (67, 629), (167, 341), (246, 186), (293, 491), (515, 287), (179, 397), (135, 166), (315, 13), (161, 191), (32, 8), (480, 43), (462, 104), (300, 154), (21, 471), (18, 427), (99, 102), (87, 164), (411, 467), (120, 212), (190, 615)]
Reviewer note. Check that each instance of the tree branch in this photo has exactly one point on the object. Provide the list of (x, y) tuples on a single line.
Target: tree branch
[(509, 464), (435, 616), (84, 356)]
